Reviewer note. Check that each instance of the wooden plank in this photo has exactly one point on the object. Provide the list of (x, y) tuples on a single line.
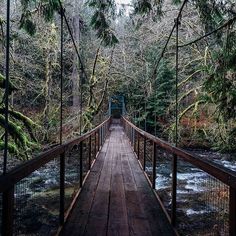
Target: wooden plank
[(152, 209), (139, 177), (79, 217), (138, 222), (118, 222), (98, 215), (99, 162), (116, 198), (129, 183)]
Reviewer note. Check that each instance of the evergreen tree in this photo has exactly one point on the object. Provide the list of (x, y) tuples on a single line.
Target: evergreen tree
[(161, 98)]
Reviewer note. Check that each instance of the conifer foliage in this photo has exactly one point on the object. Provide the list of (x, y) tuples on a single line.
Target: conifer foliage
[(46, 8), (104, 11)]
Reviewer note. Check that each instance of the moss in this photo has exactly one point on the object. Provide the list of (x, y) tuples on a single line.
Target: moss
[(12, 87), (28, 123), (19, 136), (12, 148)]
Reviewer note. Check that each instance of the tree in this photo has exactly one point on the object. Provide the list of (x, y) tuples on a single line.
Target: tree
[(162, 97), (20, 127)]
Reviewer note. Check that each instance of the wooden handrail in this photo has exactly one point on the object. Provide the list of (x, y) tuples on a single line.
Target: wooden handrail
[(20, 172), (226, 176), (25, 169), (223, 174)]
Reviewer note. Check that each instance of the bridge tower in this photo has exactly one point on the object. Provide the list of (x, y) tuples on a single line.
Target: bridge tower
[(116, 106)]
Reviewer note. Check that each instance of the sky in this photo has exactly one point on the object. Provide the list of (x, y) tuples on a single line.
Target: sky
[(123, 1), (119, 2)]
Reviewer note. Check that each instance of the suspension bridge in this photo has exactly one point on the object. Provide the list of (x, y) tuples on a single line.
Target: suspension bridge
[(111, 180), (114, 188)]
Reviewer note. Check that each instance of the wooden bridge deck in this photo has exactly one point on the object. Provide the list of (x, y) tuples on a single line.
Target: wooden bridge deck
[(116, 198)]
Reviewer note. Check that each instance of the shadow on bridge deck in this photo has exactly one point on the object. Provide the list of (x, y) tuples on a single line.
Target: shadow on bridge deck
[(116, 198)]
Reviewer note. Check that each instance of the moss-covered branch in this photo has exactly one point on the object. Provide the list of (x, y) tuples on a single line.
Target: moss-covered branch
[(28, 123), (12, 87)]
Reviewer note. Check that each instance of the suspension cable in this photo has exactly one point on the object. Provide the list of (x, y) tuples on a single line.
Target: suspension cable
[(7, 88), (168, 40), (73, 40), (61, 78), (229, 22), (162, 52), (176, 81)]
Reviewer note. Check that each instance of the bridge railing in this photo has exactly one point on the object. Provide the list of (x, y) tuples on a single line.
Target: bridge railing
[(198, 196), (37, 196)]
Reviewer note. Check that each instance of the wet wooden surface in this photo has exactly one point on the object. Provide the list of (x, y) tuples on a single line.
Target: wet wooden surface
[(116, 198)]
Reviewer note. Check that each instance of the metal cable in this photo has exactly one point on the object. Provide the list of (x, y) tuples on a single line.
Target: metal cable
[(168, 40), (81, 106), (61, 78), (73, 40), (7, 88), (176, 81), (228, 23)]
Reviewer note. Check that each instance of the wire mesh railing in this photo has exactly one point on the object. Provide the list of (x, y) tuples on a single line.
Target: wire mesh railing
[(198, 197), (38, 196), (203, 202), (163, 182), (45, 188)]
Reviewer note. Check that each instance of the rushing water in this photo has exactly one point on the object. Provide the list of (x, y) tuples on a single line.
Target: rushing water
[(202, 201), (37, 197)]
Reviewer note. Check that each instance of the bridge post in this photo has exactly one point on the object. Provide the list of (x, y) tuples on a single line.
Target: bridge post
[(81, 163), (131, 134), (134, 140), (144, 153), (132, 130), (62, 188), (95, 144), (90, 151), (232, 211), (7, 212), (154, 160), (99, 139), (128, 132), (109, 109), (138, 144)]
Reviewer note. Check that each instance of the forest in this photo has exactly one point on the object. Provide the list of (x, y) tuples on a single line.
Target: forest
[(120, 48)]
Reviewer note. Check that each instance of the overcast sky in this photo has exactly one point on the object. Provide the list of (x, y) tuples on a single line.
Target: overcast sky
[(123, 1)]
